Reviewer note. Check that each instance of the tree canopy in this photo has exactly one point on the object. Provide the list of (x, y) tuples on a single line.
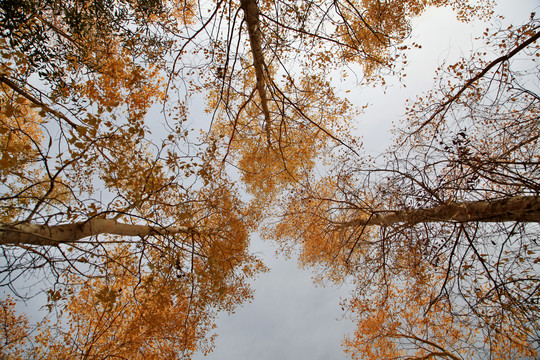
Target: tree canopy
[(440, 234), (139, 234)]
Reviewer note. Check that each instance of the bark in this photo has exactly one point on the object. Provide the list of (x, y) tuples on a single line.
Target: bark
[(518, 208), (45, 235), (251, 16)]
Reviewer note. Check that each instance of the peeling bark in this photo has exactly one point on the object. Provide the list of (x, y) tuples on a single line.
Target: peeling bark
[(36, 234), (518, 208)]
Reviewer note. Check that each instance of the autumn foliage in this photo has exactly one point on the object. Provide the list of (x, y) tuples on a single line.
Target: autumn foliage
[(438, 235), (133, 227)]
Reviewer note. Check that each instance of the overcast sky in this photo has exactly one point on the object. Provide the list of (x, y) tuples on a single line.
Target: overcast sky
[(289, 317)]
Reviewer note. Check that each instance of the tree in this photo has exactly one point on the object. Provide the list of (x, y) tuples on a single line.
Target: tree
[(275, 109), (133, 312), (91, 199), (78, 80), (193, 241), (441, 239), (405, 323)]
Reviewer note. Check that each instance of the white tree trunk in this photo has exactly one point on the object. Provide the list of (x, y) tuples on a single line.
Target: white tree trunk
[(518, 208), (36, 234)]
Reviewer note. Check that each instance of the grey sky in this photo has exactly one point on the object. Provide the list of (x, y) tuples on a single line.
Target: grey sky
[(290, 318)]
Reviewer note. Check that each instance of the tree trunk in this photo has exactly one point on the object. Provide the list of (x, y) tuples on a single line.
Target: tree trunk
[(251, 16), (35, 234), (518, 208)]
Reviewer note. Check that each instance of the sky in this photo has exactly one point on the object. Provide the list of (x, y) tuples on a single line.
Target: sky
[(290, 318)]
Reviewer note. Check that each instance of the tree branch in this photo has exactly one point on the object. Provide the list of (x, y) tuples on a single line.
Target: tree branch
[(34, 100), (478, 76), (45, 235), (251, 16), (517, 208)]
